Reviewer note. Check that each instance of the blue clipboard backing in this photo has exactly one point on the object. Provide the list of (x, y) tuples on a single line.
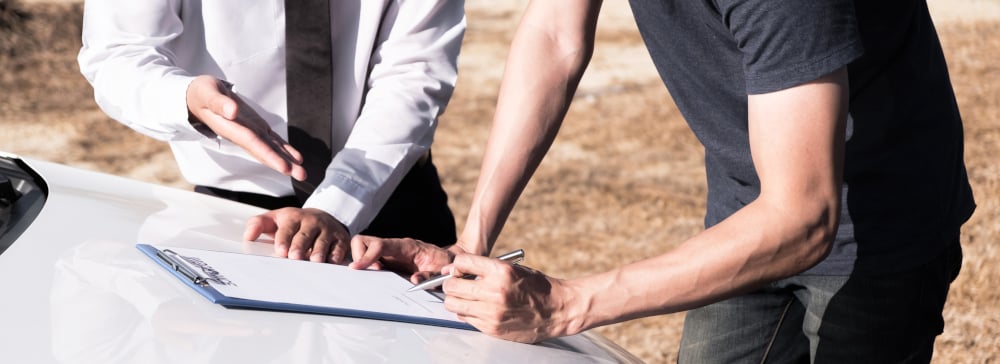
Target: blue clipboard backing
[(217, 297)]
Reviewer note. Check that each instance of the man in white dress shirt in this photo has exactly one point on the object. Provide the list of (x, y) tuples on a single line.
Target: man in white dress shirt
[(209, 78)]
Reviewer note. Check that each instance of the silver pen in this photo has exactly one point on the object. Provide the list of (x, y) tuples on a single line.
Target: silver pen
[(513, 257)]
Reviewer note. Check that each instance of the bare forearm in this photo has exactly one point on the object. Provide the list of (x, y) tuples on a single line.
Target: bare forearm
[(541, 75), (796, 139), (732, 257)]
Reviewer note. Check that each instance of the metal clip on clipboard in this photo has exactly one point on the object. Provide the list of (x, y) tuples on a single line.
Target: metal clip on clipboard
[(176, 262)]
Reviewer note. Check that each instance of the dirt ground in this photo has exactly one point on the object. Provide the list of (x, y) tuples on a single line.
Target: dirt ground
[(623, 181)]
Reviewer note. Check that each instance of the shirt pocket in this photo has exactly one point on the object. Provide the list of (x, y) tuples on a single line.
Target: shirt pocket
[(237, 31)]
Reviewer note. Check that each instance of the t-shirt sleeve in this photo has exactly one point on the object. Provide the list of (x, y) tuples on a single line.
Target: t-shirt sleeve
[(789, 42)]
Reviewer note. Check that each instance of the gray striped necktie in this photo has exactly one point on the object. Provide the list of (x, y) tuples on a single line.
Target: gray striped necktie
[(309, 80)]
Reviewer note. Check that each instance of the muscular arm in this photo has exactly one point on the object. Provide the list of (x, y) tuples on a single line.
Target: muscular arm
[(549, 52), (796, 139)]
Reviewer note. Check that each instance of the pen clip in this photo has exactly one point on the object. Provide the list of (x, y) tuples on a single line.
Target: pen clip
[(176, 262)]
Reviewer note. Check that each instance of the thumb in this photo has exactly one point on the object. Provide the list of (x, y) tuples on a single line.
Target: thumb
[(260, 224)]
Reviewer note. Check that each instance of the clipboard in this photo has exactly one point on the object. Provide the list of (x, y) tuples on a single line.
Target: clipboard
[(243, 281)]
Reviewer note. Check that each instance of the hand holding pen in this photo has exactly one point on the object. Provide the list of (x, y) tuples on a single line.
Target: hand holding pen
[(513, 257), (514, 302)]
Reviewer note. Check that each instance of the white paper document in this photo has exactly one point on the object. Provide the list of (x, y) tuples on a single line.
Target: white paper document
[(270, 283)]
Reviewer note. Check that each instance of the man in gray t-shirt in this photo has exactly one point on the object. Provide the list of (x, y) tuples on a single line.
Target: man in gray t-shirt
[(836, 180)]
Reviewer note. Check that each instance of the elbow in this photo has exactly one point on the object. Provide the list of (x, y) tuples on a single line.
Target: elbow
[(574, 53), (819, 229), (820, 243), (808, 226)]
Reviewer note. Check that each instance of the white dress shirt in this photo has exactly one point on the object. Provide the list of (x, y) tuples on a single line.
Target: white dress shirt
[(395, 66)]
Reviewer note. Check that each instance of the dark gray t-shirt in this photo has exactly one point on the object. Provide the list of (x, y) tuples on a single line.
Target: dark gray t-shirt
[(906, 192)]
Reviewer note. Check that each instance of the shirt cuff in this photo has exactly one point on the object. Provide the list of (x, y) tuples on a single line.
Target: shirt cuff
[(174, 110), (339, 199)]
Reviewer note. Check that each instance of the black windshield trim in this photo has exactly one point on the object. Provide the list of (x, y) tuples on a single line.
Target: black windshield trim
[(24, 203)]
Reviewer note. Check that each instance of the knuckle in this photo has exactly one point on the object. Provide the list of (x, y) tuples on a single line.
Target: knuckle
[(495, 318), (505, 269), (254, 221), (453, 306)]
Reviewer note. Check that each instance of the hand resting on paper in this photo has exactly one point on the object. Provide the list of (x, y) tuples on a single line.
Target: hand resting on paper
[(408, 256), (302, 234)]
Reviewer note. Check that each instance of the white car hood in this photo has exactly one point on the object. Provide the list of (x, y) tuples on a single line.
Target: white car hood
[(76, 290)]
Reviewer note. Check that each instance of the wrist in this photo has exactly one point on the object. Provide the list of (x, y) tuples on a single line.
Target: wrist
[(471, 243), (576, 306), (457, 249), (191, 100)]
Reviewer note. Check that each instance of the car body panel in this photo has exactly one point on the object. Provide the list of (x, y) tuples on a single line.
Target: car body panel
[(75, 289)]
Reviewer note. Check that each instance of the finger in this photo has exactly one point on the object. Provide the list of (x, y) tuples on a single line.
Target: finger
[(283, 237), (280, 145), (320, 247), (270, 152), (256, 137), (482, 325), (340, 250), (460, 306), (258, 225), (484, 316), (293, 153), (267, 149), (223, 106), (302, 241), (273, 153), (487, 271), (474, 264), (465, 289), (420, 277), (365, 251), (298, 172)]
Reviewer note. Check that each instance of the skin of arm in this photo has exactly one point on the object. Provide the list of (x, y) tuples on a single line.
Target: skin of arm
[(549, 53), (796, 139)]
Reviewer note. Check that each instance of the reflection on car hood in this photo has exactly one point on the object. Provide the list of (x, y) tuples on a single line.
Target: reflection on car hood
[(76, 290)]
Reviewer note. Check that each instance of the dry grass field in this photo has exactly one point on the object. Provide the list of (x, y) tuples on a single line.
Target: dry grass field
[(623, 181)]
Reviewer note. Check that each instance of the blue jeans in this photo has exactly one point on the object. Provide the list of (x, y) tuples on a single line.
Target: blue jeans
[(890, 318)]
